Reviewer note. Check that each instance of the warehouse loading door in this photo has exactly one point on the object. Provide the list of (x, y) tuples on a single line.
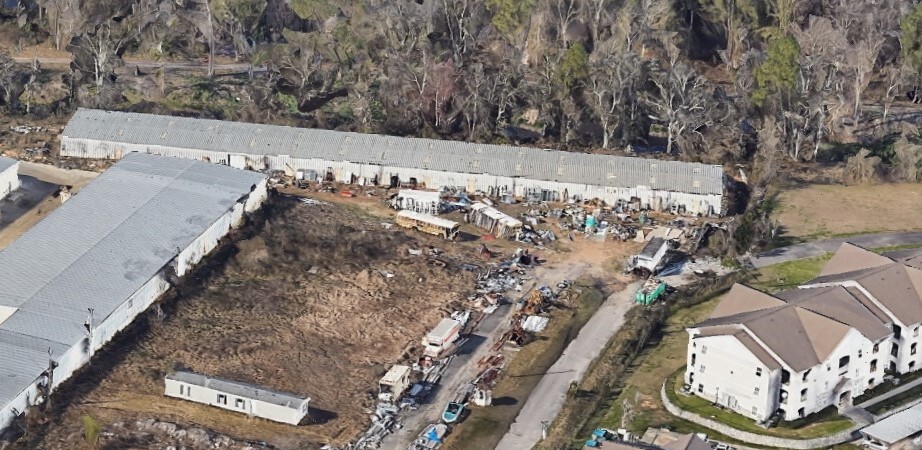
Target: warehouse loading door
[(237, 161)]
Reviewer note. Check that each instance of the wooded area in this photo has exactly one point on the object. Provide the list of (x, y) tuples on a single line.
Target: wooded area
[(753, 82)]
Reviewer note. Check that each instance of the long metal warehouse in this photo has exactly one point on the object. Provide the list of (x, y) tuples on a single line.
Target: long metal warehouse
[(374, 159), (87, 270)]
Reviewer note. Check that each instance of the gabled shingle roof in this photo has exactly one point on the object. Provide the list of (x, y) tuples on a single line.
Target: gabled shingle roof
[(850, 257), (801, 327), (896, 286)]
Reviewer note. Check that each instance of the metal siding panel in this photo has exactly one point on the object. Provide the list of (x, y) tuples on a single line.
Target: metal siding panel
[(452, 156)]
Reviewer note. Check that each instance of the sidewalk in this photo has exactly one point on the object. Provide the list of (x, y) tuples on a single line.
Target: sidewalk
[(899, 390), (549, 396)]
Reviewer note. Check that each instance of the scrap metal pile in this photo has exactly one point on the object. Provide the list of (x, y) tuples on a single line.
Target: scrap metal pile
[(495, 280)]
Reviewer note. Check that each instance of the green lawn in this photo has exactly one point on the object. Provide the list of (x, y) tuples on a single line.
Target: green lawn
[(823, 423), (788, 275)]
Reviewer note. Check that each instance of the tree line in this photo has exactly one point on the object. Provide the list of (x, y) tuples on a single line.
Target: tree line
[(719, 81)]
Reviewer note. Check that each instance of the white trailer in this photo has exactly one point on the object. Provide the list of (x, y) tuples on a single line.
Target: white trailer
[(441, 337), (394, 383)]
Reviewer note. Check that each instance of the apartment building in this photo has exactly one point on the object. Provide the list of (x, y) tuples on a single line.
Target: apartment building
[(800, 351)]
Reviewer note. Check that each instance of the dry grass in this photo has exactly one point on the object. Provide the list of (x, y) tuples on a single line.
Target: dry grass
[(266, 320), (826, 210)]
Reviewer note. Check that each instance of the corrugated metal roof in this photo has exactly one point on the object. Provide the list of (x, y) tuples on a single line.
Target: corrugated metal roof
[(100, 247), (449, 156), (239, 389), (896, 427), (6, 163)]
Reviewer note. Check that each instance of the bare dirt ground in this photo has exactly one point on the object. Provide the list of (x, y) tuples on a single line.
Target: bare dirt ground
[(825, 210), (38, 186), (266, 319)]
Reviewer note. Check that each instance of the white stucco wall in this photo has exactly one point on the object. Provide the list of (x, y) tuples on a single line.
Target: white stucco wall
[(725, 372), (730, 375)]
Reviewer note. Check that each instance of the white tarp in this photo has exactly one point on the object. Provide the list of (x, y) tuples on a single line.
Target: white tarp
[(535, 324)]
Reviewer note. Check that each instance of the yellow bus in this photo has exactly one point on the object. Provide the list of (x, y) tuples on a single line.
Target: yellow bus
[(428, 224)]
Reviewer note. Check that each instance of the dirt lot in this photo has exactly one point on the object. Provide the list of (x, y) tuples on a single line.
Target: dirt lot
[(266, 319), (824, 210)]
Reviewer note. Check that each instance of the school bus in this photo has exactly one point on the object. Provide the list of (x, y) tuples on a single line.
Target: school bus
[(428, 224)]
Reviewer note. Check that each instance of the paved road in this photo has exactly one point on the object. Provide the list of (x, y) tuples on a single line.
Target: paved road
[(549, 396), (818, 248), (145, 64), (899, 390), (462, 370)]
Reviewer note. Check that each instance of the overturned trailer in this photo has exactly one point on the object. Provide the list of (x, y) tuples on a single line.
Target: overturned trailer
[(496, 222)]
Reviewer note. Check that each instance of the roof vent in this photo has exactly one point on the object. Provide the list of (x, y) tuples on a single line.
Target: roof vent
[(696, 183), (163, 136)]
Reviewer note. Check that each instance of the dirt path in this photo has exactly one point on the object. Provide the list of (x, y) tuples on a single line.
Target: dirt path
[(549, 396), (57, 175)]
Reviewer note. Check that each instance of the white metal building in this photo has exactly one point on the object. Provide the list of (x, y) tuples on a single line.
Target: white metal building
[(374, 159), (83, 273), (238, 397), (893, 430), (9, 176)]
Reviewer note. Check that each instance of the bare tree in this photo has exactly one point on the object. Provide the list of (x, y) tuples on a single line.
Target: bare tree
[(861, 60), (65, 20), (101, 47), (676, 99), (459, 17), (565, 12), (613, 84)]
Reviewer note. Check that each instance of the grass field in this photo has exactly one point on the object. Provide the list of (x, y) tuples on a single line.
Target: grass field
[(638, 406), (816, 211), (823, 423), (787, 275)]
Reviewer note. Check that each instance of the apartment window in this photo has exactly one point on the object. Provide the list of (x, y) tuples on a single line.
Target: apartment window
[(912, 349), (222, 399), (701, 369), (859, 353), (915, 332), (704, 349), (874, 366), (785, 376), (895, 349), (755, 410), (843, 361), (897, 331), (912, 365), (876, 348), (800, 412), (871, 382), (755, 391), (700, 388), (693, 360), (758, 371), (239, 403), (803, 395), (182, 390), (806, 372)]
